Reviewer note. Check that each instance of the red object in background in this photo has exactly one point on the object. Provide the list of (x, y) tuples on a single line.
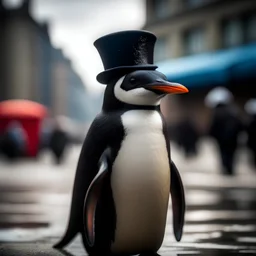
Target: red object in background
[(30, 115)]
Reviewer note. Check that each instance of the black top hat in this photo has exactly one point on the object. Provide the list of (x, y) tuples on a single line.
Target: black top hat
[(125, 51)]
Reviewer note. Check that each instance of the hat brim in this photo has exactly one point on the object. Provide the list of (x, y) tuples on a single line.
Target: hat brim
[(105, 76)]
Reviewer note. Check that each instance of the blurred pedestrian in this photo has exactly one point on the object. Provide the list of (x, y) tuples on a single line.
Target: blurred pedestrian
[(225, 126), (187, 136), (1, 142), (14, 141), (45, 133), (59, 140), (250, 108)]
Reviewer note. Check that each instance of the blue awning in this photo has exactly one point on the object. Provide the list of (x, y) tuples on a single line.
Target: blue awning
[(214, 68)]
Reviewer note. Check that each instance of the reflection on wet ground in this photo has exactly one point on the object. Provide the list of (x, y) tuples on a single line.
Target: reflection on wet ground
[(220, 218)]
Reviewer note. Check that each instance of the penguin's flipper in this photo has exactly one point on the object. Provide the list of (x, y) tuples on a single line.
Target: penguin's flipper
[(178, 201), (103, 129), (91, 199)]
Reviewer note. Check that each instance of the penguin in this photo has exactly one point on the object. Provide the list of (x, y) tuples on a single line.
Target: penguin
[(125, 173)]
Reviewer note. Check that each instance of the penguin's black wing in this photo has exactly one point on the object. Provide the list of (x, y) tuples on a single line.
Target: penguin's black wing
[(176, 190), (178, 201), (93, 196), (100, 135)]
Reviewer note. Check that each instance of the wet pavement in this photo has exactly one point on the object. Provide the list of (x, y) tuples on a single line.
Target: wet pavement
[(220, 218)]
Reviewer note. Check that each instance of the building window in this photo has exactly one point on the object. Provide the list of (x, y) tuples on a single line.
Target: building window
[(161, 8), (251, 28), (196, 3), (194, 40), (233, 33), (161, 49)]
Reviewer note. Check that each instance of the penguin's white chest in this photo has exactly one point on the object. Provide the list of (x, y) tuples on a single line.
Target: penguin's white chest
[(140, 182)]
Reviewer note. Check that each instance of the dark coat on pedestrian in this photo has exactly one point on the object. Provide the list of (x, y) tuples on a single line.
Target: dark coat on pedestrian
[(187, 137), (251, 137), (58, 144), (225, 128)]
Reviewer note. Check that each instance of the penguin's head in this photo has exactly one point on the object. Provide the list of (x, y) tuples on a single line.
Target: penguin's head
[(145, 87)]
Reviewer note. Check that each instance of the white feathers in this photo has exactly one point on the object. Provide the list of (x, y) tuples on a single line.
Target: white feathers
[(140, 182), (138, 96)]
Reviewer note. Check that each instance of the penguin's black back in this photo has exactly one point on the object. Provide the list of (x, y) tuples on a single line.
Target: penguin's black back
[(105, 218), (105, 132)]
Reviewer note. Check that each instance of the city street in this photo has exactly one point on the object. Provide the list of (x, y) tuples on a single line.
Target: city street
[(220, 218)]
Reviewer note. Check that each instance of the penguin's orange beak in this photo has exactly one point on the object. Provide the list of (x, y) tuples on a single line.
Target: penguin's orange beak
[(169, 88)]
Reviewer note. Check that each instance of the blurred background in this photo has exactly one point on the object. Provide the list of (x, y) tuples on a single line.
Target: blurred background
[(49, 96)]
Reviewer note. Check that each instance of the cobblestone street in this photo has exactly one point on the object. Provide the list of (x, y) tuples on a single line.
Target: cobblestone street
[(220, 218)]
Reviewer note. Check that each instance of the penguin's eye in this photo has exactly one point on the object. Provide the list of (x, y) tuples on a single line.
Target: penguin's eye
[(132, 80)]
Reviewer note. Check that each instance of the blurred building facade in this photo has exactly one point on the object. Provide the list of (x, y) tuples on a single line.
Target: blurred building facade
[(188, 28), (32, 68)]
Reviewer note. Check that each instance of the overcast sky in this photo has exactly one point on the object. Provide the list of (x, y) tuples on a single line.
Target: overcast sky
[(76, 24)]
